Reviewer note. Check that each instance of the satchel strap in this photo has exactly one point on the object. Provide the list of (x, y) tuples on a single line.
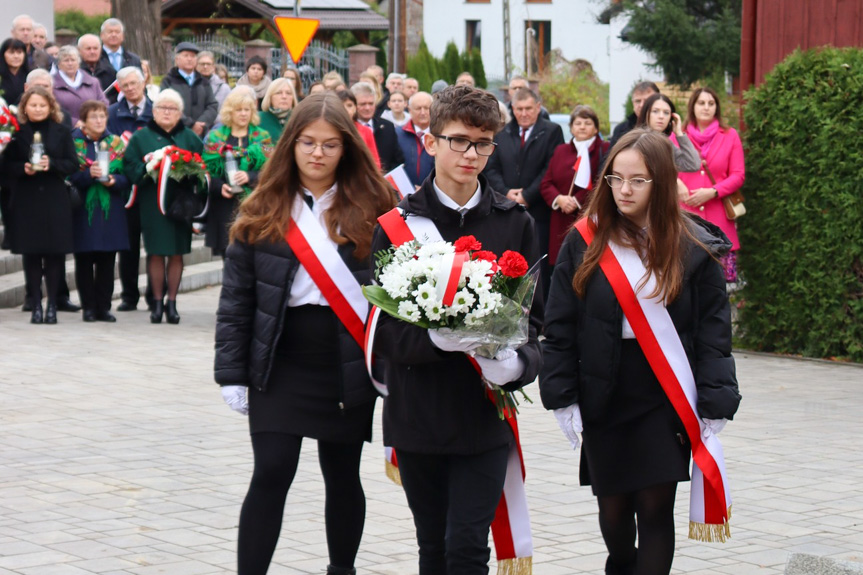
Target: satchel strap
[(706, 168)]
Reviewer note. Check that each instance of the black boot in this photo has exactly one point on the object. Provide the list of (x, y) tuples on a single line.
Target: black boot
[(333, 570), (51, 313), (171, 311), (611, 568), (158, 310), (37, 314)]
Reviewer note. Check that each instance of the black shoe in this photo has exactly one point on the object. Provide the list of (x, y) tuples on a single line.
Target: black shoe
[(67, 305), (26, 307), (51, 313), (127, 306), (89, 315), (106, 316), (333, 570), (171, 312), (156, 314), (37, 315)]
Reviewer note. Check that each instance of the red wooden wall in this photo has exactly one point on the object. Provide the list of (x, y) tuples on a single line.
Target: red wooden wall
[(772, 29)]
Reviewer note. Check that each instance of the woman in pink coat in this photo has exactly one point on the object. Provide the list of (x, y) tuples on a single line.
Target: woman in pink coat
[(720, 147)]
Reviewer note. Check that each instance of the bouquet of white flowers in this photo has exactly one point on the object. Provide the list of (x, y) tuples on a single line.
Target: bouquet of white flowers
[(464, 292)]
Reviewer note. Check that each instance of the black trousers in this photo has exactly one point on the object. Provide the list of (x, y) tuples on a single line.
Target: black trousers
[(453, 500), (94, 275), (52, 267), (130, 261)]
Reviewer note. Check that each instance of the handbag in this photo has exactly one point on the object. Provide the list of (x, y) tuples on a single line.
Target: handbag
[(75, 199), (733, 203), (186, 206)]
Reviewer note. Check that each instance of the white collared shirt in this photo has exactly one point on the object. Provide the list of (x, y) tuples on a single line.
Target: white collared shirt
[(448, 202), (526, 132), (304, 290)]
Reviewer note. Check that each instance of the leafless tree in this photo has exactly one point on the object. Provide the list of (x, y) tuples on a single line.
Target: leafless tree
[(143, 21)]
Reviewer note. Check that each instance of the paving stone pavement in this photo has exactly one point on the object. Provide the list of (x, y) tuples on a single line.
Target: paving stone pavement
[(117, 456)]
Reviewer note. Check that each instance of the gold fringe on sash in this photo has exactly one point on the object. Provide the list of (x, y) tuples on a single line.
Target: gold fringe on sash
[(517, 566), (717, 533), (393, 473)]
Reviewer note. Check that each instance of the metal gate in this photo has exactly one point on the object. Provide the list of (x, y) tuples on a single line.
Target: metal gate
[(318, 59)]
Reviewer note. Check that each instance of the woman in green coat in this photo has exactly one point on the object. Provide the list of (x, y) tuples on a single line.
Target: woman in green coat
[(164, 238), (277, 105)]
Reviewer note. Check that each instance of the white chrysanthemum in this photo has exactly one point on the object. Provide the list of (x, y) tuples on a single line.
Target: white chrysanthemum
[(462, 302), (434, 310), (424, 294), (434, 250), (395, 282), (489, 302), (409, 310), (478, 279)]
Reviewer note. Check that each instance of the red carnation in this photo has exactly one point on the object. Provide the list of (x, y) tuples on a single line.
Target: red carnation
[(3, 121), (187, 157), (467, 244), (512, 264), (484, 255), (175, 156)]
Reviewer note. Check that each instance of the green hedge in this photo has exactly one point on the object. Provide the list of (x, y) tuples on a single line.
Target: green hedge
[(802, 238)]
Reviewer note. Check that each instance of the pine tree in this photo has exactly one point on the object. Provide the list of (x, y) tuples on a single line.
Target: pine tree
[(477, 69), (451, 63), (423, 67)]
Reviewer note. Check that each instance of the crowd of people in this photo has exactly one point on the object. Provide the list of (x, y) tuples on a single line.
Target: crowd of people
[(285, 183)]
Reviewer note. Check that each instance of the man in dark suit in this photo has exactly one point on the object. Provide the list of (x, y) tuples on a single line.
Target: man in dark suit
[(385, 132), (524, 149), (125, 118), (640, 92), (113, 56)]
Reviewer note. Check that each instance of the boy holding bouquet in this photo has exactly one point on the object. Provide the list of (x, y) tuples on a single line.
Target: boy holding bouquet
[(452, 447)]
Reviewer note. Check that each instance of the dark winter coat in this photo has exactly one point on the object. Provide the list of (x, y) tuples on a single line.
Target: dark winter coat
[(120, 119), (103, 232), (199, 103), (513, 166), (418, 162), (106, 73), (437, 402), (622, 128), (256, 283), (42, 212), (387, 142), (583, 336)]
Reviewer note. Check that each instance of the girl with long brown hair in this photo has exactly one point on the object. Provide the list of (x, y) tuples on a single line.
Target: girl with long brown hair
[(284, 353), (597, 374)]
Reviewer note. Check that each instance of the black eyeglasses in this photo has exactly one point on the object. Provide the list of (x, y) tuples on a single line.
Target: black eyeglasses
[(462, 145)]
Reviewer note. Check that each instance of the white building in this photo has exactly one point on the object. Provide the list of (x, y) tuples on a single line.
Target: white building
[(568, 25)]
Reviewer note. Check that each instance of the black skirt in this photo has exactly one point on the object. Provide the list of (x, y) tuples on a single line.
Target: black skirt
[(642, 441), (304, 390)]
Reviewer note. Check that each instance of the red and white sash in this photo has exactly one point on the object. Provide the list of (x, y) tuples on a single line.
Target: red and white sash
[(162, 187), (510, 528), (311, 244), (710, 498), (125, 136), (399, 179)]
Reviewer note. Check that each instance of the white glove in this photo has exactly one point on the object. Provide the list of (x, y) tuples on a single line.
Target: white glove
[(451, 344), (569, 420), (235, 397), (713, 426), (504, 368)]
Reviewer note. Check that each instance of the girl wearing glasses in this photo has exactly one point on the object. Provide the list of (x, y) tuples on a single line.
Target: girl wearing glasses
[(283, 355), (596, 377)]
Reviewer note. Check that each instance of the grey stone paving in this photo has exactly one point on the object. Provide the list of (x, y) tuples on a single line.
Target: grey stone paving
[(117, 456)]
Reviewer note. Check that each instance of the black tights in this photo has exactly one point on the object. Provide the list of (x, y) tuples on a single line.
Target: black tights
[(157, 276), (54, 269), (654, 508), (276, 459)]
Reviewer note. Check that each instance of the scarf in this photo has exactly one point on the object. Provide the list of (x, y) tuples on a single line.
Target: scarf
[(75, 82), (97, 193), (260, 88), (250, 157), (282, 115), (703, 140), (582, 175)]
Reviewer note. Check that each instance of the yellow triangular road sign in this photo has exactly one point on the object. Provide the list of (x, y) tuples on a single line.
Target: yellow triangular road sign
[(296, 33)]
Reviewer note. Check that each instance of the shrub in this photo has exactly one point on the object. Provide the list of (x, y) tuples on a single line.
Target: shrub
[(477, 69), (564, 85), (451, 65), (802, 238), (79, 22), (423, 66)]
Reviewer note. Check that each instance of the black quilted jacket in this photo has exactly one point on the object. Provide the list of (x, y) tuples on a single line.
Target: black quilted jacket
[(256, 283), (582, 347)]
